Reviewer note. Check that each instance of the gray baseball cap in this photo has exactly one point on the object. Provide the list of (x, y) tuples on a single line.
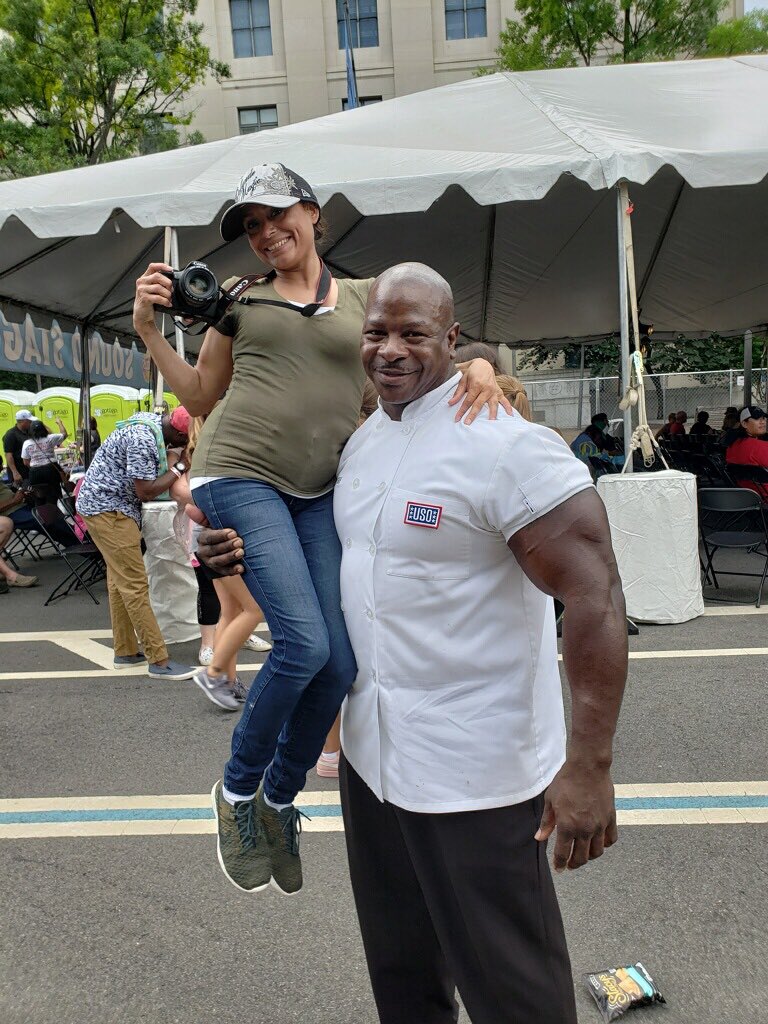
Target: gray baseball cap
[(268, 185)]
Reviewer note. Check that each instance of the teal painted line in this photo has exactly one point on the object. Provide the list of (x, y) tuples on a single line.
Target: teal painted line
[(140, 814), (686, 803)]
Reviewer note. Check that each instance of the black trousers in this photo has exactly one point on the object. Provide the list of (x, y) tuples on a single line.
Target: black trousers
[(460, 900)]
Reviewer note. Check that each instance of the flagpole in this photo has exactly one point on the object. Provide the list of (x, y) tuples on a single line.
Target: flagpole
[(353, 100)]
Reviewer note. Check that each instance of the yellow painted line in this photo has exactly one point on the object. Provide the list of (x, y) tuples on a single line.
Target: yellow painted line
[(718, 652), (735, 610), (662, 789), (55, 635), (308, 798), (85, 647), (54, 675)]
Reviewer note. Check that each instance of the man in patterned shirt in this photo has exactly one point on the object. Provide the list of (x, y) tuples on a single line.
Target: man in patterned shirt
[(128, 469)]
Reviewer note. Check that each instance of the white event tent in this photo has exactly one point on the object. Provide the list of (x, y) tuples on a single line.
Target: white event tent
[(505, 184)]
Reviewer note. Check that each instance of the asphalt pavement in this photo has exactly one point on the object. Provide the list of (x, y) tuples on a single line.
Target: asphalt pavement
[(115, 909)]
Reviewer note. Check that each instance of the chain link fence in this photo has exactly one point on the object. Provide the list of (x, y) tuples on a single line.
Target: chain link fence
[(570, 403)]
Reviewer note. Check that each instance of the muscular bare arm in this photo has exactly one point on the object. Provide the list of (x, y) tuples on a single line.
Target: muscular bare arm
[(567, 553)]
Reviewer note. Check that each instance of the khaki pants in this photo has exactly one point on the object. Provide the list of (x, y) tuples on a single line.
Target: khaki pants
[(118, 538)]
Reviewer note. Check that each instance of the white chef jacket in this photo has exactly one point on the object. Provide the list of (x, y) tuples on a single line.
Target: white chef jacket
[(457, 703)]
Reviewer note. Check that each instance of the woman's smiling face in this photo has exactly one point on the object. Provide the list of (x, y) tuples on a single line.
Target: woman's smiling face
[(282, 239)]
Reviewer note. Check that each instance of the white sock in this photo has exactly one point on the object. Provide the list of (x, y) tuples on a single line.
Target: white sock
[(234, 798), (330, 756), (274, 806)]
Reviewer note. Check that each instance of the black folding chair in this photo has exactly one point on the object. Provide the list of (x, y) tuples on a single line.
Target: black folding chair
[(749, 474), (84, 561), (734, 519)]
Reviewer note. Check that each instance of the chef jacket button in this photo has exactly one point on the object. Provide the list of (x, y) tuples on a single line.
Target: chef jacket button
[(372, 549), (355, 484), (406, 430), (369, 613), (382, 486), (379, 425), (348, 542)]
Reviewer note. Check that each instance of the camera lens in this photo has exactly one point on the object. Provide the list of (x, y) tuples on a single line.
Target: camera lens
[(198, 286)]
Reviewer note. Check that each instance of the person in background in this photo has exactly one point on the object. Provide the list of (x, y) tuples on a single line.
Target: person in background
[(748, 447), (731, 426), (14, 508), (95, 437), (677, 427), (588, 444), (646, 350), (478, 350), (701, 427), (133, 466), (610, 444), (13, 442), (514, 390), (39, 453), (8, 502), (666, 431)]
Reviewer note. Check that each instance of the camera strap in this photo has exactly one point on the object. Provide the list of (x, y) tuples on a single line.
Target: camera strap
[(323, 289)]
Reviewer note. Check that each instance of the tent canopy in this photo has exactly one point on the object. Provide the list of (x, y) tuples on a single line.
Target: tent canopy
[(503, 184)]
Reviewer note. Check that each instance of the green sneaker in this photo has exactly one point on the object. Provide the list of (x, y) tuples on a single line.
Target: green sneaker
[(241, 846), (282, 830)]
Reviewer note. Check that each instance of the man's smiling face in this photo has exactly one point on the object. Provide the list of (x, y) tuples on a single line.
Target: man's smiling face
[(409, 335)]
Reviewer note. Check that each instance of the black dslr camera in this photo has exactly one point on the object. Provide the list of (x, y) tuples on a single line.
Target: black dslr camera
[(196, 294)]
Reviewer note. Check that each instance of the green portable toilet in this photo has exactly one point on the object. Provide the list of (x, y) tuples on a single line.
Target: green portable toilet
[(61, 402), (111, 403), (12, 402), (146, 404)]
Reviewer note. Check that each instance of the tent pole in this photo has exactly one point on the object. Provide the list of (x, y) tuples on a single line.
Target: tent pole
[(85, 392), (747, 367), (581, 384), (624, 323), (174, 261)]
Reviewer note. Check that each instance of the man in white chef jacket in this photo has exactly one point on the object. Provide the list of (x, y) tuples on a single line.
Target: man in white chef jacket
[(455, 770)]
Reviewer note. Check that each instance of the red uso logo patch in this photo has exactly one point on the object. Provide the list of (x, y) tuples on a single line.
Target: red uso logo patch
[(419, 514)]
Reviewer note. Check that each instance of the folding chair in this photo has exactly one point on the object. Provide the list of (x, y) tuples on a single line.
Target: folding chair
[(733, 518), (749, 474), (84, 561)]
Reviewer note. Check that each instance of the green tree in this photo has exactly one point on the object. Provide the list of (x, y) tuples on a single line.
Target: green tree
[(622, 31), (683, 355), (87, 81), (742, 35)]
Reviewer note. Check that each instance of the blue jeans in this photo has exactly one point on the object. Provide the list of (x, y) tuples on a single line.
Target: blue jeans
[(292, 562)]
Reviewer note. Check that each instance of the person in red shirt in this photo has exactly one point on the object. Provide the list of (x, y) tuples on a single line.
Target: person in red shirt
[(749, 447), (677, 429)]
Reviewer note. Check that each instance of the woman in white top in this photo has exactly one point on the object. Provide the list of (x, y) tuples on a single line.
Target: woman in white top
[(39, 453)]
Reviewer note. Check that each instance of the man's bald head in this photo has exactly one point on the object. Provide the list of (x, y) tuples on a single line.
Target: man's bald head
[(409, 335), (417, 278)]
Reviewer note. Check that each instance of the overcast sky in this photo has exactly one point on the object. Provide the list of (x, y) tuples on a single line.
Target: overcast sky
[(750, 5)]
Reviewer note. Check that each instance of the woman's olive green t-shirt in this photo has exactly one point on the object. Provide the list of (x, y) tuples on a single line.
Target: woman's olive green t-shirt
[(295, 394)]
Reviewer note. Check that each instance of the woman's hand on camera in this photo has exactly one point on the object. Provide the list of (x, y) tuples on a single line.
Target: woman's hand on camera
[(152, 288)]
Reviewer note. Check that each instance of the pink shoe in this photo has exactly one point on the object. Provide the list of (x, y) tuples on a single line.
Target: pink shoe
[(328, 765)]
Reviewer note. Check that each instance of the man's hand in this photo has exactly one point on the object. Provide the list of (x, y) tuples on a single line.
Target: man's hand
[(478, 387), (580, 805), (16, 476), (221, 550)]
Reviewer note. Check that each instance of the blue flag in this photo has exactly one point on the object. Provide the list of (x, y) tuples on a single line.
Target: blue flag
[(352, 97)]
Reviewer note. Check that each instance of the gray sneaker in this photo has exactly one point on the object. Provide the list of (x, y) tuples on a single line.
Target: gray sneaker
[(282, 830), (127, 660), (241, 846), (217, 689), (173, 670)]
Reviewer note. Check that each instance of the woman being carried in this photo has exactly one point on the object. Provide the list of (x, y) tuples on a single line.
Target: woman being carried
[(265, 466)]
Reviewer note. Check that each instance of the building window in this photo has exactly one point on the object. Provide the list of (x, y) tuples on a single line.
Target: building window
[(256, 119), (465, 19), (364, 101), (251, 28), (363, 22)]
